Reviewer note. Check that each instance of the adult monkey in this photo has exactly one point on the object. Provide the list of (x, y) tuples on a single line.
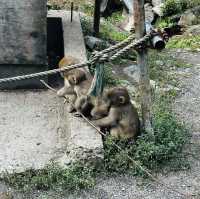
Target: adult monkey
[(122, 119)]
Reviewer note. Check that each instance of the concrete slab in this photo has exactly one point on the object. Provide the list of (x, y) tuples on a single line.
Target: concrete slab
[(73, 37), (84, 142), (35, 127)]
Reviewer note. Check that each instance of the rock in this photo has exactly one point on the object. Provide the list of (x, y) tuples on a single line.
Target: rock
[(157, 2), (193, 30), (6, 195), (153, 84), (133, 71), (190, 17), (129, 5), (94, 43), (128, 23), (158, 10), (149, 16), (169, 88)]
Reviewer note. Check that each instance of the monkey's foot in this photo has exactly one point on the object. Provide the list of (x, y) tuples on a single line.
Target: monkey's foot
[(61, 92), (71, 109)]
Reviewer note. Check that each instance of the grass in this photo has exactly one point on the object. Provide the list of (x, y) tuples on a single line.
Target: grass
[(162, 67), (108, 30), (172, 7), (188, 42), (53, 177)]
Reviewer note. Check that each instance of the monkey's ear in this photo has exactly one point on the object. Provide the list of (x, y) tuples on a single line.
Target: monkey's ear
[(122, 99)]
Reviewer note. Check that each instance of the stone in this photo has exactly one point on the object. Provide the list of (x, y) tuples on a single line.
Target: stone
[(157, 2), (128, 23), (94, 43), (169, 88), (190, 17), (149, 16), (193, 30), (158, 10), (6, 195), (133, 71)]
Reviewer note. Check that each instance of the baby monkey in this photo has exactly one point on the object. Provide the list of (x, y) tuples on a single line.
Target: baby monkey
[(76, 84), (122, 118)]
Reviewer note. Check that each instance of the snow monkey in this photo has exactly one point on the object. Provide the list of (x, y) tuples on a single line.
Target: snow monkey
[(122, 118), (77, 83)]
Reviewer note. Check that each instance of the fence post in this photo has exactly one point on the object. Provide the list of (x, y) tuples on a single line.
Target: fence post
[(97, 16), (145, 88)]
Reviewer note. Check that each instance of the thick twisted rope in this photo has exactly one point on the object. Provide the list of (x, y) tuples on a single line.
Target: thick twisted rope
[(98, 57), (45, 73)]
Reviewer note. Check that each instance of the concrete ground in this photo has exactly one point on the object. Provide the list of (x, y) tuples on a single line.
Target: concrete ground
[(33, 129)]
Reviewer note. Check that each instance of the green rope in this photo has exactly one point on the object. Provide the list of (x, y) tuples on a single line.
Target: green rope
[(98, 81)]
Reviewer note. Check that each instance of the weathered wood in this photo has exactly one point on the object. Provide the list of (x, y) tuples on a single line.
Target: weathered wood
[(97, 16), (145, 89)]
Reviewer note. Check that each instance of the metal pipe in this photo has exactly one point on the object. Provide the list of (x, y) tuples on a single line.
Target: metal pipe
[(157, 40), (72, 11), (97, 16)]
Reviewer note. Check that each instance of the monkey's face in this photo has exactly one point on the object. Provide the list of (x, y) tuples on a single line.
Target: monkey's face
[(76, 77), (117, 96)]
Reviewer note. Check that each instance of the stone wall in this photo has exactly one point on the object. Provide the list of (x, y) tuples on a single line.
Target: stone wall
[(23, 32)]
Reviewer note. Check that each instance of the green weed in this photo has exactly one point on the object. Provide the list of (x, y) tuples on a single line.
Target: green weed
[(188, 42), (172, 7), (53, 177)]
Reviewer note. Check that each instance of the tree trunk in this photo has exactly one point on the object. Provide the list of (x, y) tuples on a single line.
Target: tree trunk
[(145, 88)]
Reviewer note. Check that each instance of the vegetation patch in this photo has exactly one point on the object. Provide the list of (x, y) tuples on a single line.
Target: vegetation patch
[(152, 154), (172, 7), (108, 31), (170, 138), (162, 67), (188, 42), (52, 177)]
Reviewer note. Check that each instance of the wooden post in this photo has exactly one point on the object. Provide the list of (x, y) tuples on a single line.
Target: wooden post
[(145, 88), (97, 16)]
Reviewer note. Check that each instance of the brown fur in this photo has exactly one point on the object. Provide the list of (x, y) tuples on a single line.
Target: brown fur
[(122, 118)]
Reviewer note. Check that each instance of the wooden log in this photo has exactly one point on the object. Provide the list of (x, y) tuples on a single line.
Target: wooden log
[(145, 88)]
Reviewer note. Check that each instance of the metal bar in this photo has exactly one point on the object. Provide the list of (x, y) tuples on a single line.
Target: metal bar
[(72, 11)]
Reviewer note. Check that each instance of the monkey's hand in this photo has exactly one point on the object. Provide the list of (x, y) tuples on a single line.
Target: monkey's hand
[(65, 91), (108, 121)]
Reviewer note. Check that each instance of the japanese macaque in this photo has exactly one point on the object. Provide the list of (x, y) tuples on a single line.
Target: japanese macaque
[(71, 78), (122, 118), (77, 84), (66, 61)]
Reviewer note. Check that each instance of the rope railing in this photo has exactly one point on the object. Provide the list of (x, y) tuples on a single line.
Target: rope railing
[(103, 55)]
